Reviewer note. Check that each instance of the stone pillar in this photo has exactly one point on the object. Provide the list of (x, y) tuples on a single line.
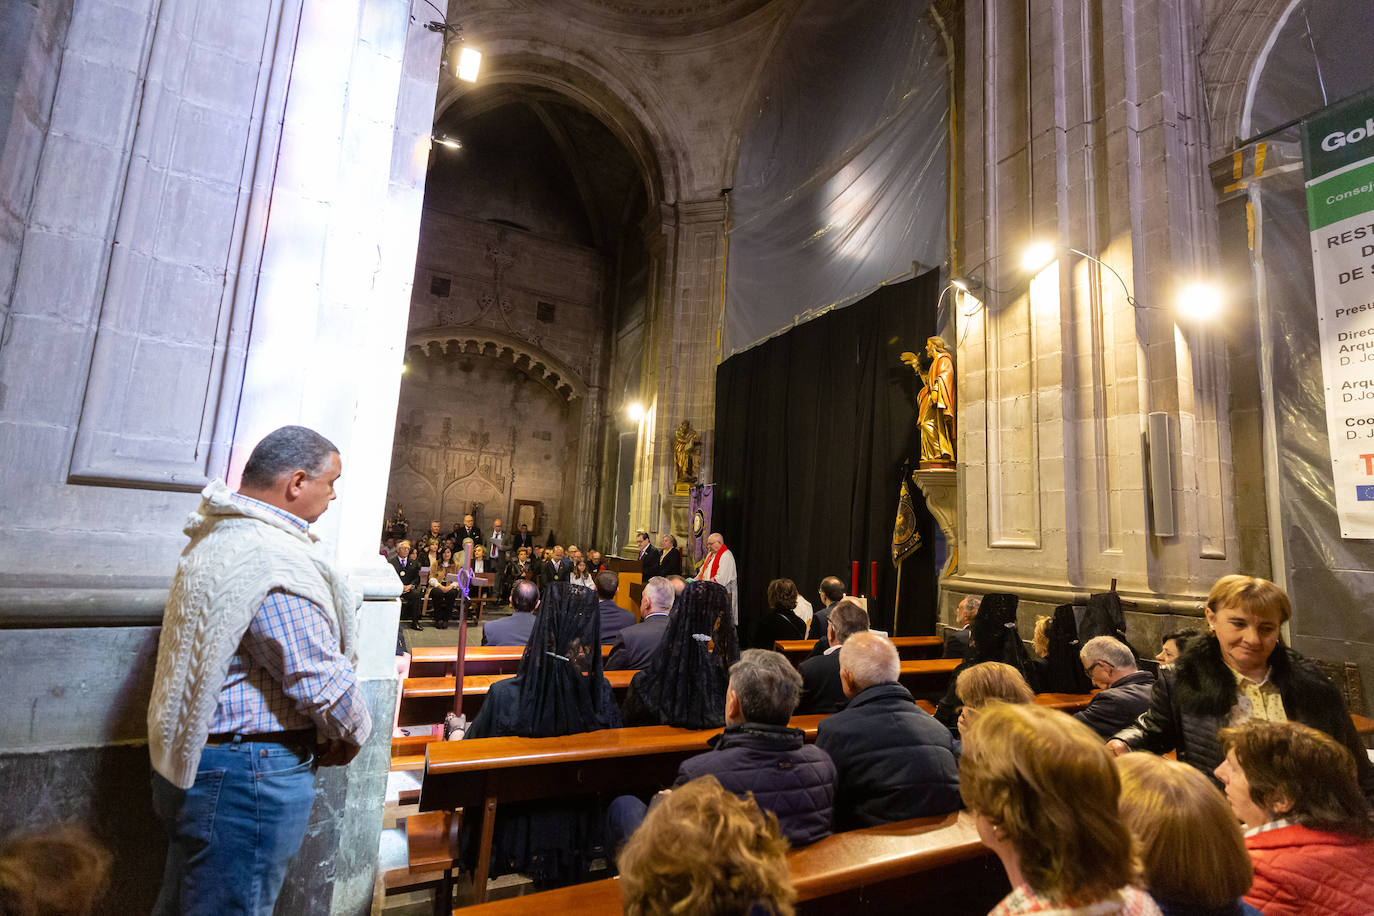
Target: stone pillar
[(221, 239), (1079, 129), (681, 349)]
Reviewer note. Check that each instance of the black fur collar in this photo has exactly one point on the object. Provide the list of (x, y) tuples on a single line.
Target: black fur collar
[(1206, 686)]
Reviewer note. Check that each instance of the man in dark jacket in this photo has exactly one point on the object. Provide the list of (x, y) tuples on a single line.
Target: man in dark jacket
[(956, 640), (1125, 689), (614, 618), (822, 691), (758, 753), (893, 761), (637, 642), (648, 557), (408, 568)]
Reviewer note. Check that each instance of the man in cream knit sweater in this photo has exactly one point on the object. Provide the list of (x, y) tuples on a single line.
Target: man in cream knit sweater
[(255, 682)]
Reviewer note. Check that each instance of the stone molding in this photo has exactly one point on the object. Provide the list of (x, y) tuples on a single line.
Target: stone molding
[(451, 342)]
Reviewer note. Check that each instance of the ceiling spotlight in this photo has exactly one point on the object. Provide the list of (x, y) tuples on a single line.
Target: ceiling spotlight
[(636, 411), (450, 142), (966, 284), (469, 62), (1199, 301), (1036, 256)]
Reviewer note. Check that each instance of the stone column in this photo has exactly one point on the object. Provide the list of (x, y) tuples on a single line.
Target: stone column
[(1078, 128), (681, 349)]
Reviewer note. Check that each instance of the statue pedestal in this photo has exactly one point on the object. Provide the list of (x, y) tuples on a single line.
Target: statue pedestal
[(682, 526), (940, 486)]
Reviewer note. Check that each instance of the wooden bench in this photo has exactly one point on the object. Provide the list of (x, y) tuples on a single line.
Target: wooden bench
[(478, 774), (425, 700), (1068, 702), (439, 661), (797, 650), (936, 862)]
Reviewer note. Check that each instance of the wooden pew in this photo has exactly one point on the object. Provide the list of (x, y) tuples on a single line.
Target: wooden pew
[(908, 647), (438, 661), (425, 700), (478, 774), (936, 862)]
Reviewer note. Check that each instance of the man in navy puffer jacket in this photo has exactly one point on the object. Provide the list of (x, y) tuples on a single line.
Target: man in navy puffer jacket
[(758, 753), (893, 760)]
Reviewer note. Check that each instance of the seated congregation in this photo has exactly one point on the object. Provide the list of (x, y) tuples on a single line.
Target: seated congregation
[(1265, 809)]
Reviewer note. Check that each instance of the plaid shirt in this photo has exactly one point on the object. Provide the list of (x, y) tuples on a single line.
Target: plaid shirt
[(288, 672)]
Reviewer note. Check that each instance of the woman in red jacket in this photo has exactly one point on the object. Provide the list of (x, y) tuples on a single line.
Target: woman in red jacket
[(1310, 832)]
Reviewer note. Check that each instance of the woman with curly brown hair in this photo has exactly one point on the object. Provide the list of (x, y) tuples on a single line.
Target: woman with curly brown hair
[(1044, 795), (702, 849), (1310, 832)]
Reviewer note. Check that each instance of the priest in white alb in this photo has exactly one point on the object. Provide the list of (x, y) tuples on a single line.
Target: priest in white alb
[(719, 566)]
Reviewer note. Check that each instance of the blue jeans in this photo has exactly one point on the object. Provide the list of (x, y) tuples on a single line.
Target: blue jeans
[(231, 835)]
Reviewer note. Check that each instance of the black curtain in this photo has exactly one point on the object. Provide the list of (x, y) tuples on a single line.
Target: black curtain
[(813, 429)]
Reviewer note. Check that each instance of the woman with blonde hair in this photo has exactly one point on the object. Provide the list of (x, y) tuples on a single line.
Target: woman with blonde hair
[(1240, 671), (989, 682), (1193, 854), (702, 849), (1044, 795)]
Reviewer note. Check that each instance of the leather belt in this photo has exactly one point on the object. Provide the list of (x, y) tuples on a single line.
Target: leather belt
[(301, 737)]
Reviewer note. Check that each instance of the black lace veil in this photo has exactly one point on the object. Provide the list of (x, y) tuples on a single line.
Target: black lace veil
[(562, 690), (685, 680)]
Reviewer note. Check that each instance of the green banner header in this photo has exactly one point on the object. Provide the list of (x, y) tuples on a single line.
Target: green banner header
[(1337, 136)]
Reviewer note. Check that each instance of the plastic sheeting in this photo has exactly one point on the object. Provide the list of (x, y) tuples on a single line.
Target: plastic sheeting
[(1319, 56), (1330, 579), (841, 182)]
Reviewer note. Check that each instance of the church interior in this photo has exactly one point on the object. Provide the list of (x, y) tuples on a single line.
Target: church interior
[(945, 299)]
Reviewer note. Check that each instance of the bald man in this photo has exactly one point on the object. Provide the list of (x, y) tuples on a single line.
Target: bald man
[(719, 566), (892, 759)]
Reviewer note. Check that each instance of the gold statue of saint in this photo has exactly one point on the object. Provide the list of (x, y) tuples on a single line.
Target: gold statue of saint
[(935, 414), (686, 452)]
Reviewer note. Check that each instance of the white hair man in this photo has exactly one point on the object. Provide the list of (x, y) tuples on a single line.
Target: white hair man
[(1125, 689), (634, 644), (892, 759), (956, 640), (719, 566)]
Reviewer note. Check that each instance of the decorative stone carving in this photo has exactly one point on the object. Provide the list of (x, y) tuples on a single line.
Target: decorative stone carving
[(941, 489)]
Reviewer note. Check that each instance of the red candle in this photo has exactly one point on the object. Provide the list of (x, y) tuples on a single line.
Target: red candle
[(873, 579), (854, 578)]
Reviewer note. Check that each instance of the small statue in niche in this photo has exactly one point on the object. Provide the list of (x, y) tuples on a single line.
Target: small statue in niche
[(446, 434), (936, 403), (686, 452)]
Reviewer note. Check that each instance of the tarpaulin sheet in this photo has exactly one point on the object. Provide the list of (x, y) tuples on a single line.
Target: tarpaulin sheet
[(841, 182)]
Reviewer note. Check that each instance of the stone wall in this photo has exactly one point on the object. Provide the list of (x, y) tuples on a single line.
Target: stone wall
[(1082, 131), (501, 397), (212, 235)]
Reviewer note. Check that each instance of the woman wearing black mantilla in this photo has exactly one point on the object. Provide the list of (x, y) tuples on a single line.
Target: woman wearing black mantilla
[(559, 690), (685, 680)]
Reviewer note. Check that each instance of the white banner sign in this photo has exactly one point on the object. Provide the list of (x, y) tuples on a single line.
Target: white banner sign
[(1338, 152)]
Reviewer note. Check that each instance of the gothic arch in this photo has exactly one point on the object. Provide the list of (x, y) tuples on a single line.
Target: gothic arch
[(453, 342), (1236, 42)]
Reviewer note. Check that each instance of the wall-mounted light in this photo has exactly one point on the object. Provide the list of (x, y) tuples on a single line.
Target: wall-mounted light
[(1199, 301), (446, 140), (966, 284), (635, 411), (1036, 256), (469, 62)]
